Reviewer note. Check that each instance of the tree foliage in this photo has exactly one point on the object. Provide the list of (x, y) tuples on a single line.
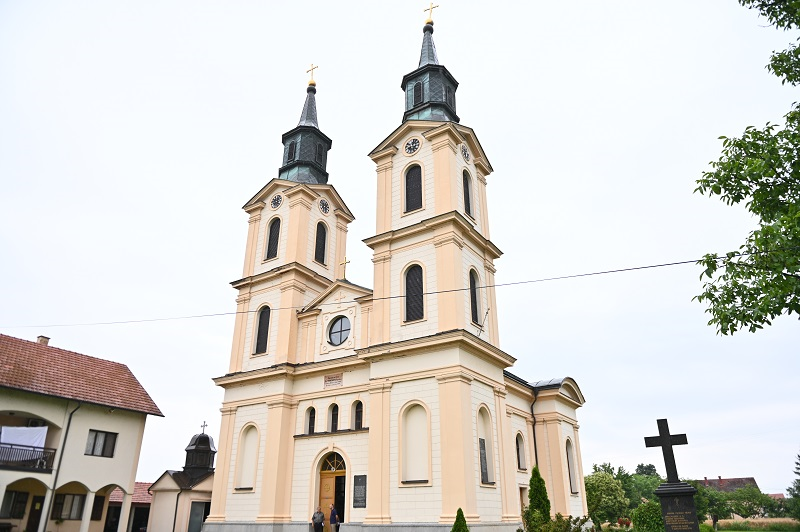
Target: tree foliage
[(460, 524), (749, 502), (605, 498), (750, 287), (647, 470), (793, 504), (648, 518), (643, 488)]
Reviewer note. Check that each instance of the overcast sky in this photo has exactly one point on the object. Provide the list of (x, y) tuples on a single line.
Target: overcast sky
[(131, 133)]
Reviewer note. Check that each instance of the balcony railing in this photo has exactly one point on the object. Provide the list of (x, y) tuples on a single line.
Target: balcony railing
[(26, 458)]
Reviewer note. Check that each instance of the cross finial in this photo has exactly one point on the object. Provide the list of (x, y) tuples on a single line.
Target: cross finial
[(203, 426), (311, 71), (665, 440), (430, 13), (344, 269)]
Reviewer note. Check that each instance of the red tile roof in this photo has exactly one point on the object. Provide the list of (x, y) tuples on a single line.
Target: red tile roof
[(728, 484), (37, 368), (140, 494)]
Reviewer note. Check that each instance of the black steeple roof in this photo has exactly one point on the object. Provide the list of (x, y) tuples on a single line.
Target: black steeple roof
[(430, 89), (305, 148), (200, 455)]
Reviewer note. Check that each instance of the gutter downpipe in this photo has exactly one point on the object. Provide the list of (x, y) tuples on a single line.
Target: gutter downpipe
[(60, 458), (535, 449), (175, 516)]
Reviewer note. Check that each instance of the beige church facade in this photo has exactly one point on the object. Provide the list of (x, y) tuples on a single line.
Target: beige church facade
[(395, 404)]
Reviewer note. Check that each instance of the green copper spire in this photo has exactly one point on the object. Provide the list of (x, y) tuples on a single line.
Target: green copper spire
[(430, 89), (305, 148)]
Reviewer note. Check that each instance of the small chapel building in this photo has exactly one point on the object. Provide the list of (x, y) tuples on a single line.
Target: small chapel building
[(393, 404)]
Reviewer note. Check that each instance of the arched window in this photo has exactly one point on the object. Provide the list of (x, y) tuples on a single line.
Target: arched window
[(417, 93), (263, 330), (473, 297), (333, 414), (413, 189), (415, 308), (416, 444), (486, 446), (357, 415), (292, 149), (274, 236), (319, 249), (571, 467), (520, 452), (311, 417), (319, 153), (467, 193), (247, 464)]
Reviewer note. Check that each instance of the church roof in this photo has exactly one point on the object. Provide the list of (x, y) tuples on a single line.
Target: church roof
[(728, 484), (41, 369), (184, 480), (428, 54), (309, 115)]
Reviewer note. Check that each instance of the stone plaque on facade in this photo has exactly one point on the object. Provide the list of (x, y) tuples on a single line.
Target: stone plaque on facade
[(333, 381), (359, 491)]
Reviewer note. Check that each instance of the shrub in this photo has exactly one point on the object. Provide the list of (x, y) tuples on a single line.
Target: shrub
[(564, 524), (647, 517), (460, 524), (706, 528)]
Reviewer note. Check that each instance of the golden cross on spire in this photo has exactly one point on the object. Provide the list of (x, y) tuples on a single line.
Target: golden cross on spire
[(344, 269), (311, 71), (430, 13)]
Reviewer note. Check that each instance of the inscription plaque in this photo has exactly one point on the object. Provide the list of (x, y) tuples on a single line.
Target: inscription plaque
[(359, 491)]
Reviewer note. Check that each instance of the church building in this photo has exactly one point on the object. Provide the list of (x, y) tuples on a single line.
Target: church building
[(394, 404)]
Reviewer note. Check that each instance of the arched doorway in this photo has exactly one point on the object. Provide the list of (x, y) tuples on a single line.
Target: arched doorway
[(332, 482)]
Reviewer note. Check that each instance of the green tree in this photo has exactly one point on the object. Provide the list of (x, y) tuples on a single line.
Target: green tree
[(750, 287), (647, 470), (749, 502), (624, 478), (537, 513), (643, 487), (605, 498), (460, 524), (648, 518), (793, 504)]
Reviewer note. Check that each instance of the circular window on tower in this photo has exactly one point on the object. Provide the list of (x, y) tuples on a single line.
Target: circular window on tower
[(339, 331), (324, 206), (276, 201)]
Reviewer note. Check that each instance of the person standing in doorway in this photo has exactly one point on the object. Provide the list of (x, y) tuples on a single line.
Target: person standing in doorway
[(318, 519), (334, 520)]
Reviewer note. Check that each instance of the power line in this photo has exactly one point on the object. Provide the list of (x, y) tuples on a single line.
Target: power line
[(496, 285)]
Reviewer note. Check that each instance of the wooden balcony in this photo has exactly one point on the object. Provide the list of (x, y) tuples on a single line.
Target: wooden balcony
[(26, 458)]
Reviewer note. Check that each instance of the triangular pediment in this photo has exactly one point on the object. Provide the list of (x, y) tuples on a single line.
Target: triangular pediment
[(164, 483), (340, 291), (288, 187), (427, 128)]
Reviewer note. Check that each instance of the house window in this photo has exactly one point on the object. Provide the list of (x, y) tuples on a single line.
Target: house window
[(97, 507), (311, 417), (100, 443), (485, 446), (14, 503), (413, 189), (573, 472), (67, 506), (467, 197), (334, 418), (319, 248), (415, 308), (416, 444), (263, 330), (319, 153), (520, 452), (473, 296), (292, 149), (358, 415), (417, 93), (248, 459)]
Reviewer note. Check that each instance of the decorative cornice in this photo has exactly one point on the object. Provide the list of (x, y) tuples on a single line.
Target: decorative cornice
[(291, 267), (457, 376)]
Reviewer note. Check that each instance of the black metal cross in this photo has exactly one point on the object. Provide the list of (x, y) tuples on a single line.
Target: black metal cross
[(203, 426), (665, 440)]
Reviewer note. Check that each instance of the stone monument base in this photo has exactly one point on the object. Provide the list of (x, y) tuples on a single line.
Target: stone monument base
[(677, 507)]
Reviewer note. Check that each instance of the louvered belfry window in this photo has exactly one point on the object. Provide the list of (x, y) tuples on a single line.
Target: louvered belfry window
[(413, 189), (415, 308), (473, 296), (292, 148), (417, 93), (319, 153), (263, 331), (274, 235), (467, 196), (319, 250)]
